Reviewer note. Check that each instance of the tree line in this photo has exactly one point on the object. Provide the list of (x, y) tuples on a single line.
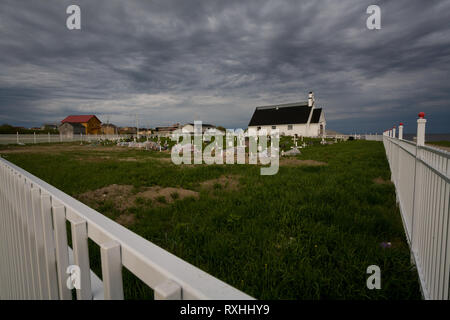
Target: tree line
[(9, 129)]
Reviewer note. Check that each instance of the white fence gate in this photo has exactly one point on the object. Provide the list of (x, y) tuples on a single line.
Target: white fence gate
[(421, 177), (35, 256)]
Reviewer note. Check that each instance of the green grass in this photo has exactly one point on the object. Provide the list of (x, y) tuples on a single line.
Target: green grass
[(304, 233), (440, 143)]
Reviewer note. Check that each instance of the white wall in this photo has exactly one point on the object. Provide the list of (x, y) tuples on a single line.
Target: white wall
[(188, 128), (299, 129)]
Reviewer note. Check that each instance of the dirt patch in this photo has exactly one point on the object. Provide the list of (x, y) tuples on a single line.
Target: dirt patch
[(226, 182), (169, 194), (297, 162), (126, 219), (122, 197), (163, 159), (92, 159), (129, 159), (380, 180)]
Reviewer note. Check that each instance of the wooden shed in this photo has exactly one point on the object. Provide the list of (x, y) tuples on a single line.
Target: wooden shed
[(68, 129), (91, 123)]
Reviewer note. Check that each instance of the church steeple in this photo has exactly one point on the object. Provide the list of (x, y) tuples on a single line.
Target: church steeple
[(311, 103), (311, 100)]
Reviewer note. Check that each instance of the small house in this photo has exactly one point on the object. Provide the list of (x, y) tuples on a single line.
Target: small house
[(91, 123), (109, 129), (166, 131), (291, 119), (127, 130), (69, 129)]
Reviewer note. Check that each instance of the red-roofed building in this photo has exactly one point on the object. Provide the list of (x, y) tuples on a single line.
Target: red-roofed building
[(91, 123)]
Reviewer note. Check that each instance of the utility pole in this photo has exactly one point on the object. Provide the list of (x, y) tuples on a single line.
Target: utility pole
[(107, 125), (137, 127)]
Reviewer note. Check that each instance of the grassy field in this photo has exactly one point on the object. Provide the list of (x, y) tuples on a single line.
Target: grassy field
[(440, 143), (308, 232)]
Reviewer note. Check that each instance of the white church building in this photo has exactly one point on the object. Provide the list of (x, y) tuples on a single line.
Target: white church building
[(299, 118)]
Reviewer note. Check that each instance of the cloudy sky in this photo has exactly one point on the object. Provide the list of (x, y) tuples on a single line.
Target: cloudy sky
[(176, 61)]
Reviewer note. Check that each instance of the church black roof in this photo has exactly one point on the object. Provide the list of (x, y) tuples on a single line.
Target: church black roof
[(291, 113)]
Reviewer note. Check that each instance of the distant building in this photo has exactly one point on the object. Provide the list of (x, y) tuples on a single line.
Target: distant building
[(300, 118), (127, 130), (166, 131), (145, 131), (189, 127), (109, 129), (69, 129), (91, 123)]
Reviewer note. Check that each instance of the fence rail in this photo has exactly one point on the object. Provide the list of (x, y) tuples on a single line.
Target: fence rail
[(35, 254), (373, 137), (51, 138), (421, 178)]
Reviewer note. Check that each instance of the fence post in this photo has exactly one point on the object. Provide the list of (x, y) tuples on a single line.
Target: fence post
[(394, 131), (112, 270), (421, 129), (81, 256), (400, 131), (49, 246), (34, 137), (62, 254), (17, 135), (49, 137), (420, 141)]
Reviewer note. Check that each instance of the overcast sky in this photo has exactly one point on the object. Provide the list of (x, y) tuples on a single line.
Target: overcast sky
[(176, 61)]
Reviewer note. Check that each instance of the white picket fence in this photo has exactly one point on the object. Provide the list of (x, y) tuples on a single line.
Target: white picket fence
[(52, 138), (421, 177), (373, 137), (35, 256)]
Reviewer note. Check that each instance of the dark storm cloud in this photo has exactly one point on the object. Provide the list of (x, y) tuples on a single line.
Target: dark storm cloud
[(173, 61)]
